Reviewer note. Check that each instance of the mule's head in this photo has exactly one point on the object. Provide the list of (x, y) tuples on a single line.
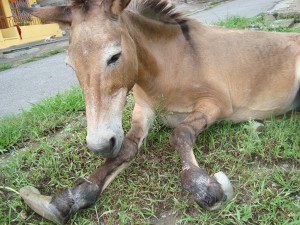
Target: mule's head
[(103, 56)]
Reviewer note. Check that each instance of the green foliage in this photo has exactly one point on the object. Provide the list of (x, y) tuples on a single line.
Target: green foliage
[(42, 119), (253, 23), (264, 169), (241, 22), (6, 67), (44, 55)]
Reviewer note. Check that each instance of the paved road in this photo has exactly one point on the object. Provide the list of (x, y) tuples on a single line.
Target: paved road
[(245, 8), (29, 83)]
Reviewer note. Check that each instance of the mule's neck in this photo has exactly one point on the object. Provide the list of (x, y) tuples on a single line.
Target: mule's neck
[(155, 43)]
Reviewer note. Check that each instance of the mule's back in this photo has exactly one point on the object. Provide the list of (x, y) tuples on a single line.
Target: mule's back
[(252, 74), (259, 69)]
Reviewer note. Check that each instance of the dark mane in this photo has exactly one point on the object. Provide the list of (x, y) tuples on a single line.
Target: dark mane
[(159, 10)]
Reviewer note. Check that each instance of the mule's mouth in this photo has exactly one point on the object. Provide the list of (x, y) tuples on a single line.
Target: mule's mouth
[(107, 154), (110, 151)]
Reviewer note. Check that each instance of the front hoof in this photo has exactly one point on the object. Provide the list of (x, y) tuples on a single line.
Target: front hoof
[(226, 186), (41, 204), (212, 197), (209, 192)]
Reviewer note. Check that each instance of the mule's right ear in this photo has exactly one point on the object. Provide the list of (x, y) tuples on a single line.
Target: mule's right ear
[(115, 7), (60, 14)]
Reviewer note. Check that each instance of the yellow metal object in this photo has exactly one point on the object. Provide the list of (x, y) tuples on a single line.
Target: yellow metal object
[(30, 30)]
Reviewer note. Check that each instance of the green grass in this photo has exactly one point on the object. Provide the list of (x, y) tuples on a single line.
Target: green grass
[(46, 148), (253, 23), (44, 55), (45, 118), (6, 67)]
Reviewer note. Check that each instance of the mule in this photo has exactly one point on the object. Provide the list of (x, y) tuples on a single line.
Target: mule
[(194, 73)]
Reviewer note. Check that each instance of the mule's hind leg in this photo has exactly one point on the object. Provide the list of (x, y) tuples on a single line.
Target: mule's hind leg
[(86, 190), (209, 192)]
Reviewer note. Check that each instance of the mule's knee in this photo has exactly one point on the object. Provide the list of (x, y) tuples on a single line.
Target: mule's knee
[(183, 137), (129, 150)]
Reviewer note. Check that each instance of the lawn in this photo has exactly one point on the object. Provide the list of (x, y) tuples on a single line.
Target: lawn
[(45, 147), (5, 67)]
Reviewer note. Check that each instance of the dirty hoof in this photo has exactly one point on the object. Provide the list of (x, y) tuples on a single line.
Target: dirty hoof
[(209, 192), (41, 204), (257, 126), (227, 188)]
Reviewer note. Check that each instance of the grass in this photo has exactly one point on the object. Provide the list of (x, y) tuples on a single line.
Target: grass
[(6, 67), (257, 23), (44, 55), (45, 118), (47, 149)]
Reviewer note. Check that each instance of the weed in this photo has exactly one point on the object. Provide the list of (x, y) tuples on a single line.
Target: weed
[(44, 118), (253, 23), (6, 67), (44, 55)]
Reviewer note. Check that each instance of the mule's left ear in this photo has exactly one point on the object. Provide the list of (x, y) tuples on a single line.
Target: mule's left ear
[(115, 7), (60, 14)]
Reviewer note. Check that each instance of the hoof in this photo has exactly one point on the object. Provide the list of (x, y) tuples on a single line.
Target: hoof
[(227, 188), (41, 204), (211, 193), (257, 126)]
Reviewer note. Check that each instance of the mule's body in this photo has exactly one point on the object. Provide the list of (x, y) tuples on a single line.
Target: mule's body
[(193, 73), (249, 75)]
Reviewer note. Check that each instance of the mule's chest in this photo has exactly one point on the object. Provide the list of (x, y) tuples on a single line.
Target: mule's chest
[(172, 106), (172, 112), (172, 119)]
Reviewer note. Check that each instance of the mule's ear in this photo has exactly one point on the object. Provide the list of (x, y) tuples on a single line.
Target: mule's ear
[(115, 7), (60, 14)]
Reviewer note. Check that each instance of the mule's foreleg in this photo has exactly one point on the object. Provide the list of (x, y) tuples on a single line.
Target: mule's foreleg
[(209, 192), (86, 190)]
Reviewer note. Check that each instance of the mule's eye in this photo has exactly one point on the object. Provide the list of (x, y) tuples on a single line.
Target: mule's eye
[(114, 58)]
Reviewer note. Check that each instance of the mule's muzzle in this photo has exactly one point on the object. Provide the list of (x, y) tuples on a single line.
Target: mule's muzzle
[(107, 149)]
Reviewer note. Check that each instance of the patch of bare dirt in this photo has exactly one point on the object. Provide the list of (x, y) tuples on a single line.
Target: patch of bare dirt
[(166, 218)]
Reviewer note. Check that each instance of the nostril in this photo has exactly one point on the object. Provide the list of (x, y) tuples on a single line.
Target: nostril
[(112, 142)]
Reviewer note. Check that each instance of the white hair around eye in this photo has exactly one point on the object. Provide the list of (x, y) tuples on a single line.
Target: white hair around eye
[(111, 55)]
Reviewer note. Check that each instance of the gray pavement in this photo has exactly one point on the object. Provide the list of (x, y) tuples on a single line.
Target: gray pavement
[(29, 83), (244, 8), (32, 82)]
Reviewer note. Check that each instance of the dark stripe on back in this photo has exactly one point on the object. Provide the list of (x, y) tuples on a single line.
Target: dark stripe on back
[(185, 30)]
